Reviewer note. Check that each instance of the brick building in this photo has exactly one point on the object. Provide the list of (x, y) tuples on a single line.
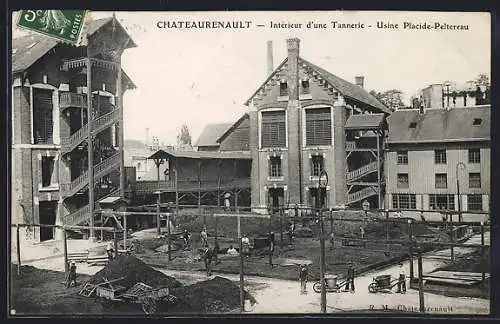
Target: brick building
[(428, 149), (297, 129), (51, 109)]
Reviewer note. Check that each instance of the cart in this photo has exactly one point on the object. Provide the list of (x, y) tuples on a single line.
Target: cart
[(148, 297), (331, 285), (382, 283)]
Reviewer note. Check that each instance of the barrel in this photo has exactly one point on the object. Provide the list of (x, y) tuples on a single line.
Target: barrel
[(383, 281), (331, 280)]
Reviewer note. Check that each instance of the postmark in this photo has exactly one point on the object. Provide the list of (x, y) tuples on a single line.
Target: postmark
[(65, 25)]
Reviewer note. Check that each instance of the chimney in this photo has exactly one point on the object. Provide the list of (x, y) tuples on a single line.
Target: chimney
[(360, 81), (293, 68), (147, 137), (270, 67)]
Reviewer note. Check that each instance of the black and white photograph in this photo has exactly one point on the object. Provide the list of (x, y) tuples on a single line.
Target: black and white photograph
[(236, 162)]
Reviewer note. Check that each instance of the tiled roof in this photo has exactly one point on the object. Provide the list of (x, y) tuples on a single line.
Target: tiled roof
[(365, 121), (211, 133), (241, 155), (440, 125), (346, 88), (232, 127), (26, 50)]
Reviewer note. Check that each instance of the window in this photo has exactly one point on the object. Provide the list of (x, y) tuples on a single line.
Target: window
[(445, 202), (404, 201), (317, 165), (283, 89), (474, 180), (413, 125), (273, 129), (440, 156), (476, 122), (42, 116), (47, 170), (441, 180), (402, 157), (275, 166), (474, 202), (474, 156), (403, 180), (318, 126), (305, 87)]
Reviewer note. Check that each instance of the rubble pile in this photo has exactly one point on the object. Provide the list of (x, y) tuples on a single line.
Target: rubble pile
[(218, 295), (134, 271)]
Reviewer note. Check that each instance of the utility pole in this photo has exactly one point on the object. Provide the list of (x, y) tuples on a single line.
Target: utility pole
[(410, 248), (421, 284), (323, 182)]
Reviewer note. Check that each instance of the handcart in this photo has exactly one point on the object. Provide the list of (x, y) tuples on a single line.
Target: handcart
[(382, 283), (331, 284)]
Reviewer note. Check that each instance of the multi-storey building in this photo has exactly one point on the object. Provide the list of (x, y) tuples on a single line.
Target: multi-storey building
[(450, 95), (428, 149), (60, 132), (298, 119)]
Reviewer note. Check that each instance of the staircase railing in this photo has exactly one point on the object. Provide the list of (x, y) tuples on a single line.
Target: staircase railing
[(361, 194), (364, 170)]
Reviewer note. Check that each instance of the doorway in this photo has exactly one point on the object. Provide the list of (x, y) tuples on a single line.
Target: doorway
[(314, 198), (47, 217), (276, 198)]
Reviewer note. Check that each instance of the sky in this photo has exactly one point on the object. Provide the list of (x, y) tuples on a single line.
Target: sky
[(199, 77)]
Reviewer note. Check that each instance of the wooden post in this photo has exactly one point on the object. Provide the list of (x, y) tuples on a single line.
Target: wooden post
[(18, 244), (387, 225), (271, 244), (168, 238), (453, 232), (115, 241), (242, 279), (218, 182), (322, 263), (125, 231), (421, 284), (102, 224), (65, 250), (216, 226), (90, 151), (483, 274), (158, 218), (410, 248), (281, 228)]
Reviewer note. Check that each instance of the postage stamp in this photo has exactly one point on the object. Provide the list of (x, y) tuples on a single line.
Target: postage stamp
[(65, 25)]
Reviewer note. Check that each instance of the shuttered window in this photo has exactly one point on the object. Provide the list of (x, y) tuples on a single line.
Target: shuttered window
[(42, 116), (273, 129), (318, 126)]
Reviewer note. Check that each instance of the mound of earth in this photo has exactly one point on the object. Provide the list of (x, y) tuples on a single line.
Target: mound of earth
[(134, 271), (218, 295)]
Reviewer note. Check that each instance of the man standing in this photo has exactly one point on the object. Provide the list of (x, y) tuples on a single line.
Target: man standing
[(109, 251), (245, 242), (332, 240), (401, 280), (204, 237), (71, 275), (290, 233), (271, 248), (350, 279), (303, 279), (207, 259)]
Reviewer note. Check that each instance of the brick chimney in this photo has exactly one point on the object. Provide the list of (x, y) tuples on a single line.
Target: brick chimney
[(293, 68), (360, 81), (270, 67)]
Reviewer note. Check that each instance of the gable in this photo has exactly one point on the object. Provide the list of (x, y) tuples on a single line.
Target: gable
[(211, 133)]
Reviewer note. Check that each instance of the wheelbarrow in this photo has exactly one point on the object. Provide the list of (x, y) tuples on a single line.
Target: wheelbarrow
[(382, 283), (331, 284)]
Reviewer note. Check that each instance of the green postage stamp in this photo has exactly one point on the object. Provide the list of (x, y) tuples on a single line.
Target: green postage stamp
[(65, 25)]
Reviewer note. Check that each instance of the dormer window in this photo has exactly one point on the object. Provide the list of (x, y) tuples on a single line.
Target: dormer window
[(305, 87), (413, 125), (476, 122), (283, 89)]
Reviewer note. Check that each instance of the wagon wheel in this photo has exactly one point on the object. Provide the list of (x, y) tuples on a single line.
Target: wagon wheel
[(106, 303), (372, 287), (317, 287), (149, 305)]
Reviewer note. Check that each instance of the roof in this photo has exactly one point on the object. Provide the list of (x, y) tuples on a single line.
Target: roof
[(233, 126), (365, 121), (440, 125), (111, 200), (347, 89), (131, 154), (240, 155), (211, 133), (26, 50)]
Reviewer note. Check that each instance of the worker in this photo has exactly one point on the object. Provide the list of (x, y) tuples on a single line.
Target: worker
[(216, 253), (71, 275), (332, 240), (231, 251), (271, 248), (290, 233), (402, 279), (227, 201), (362, 232), (350, 279), (204, 236), (245, 242), (303, 279), (186, 237), (109, 251), (207, 259)]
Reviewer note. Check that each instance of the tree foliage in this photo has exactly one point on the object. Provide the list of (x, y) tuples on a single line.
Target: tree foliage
[(483, 80), (184, 136), (391, 98)]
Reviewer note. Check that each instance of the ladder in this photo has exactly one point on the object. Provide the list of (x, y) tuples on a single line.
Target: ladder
[(87, 290)]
